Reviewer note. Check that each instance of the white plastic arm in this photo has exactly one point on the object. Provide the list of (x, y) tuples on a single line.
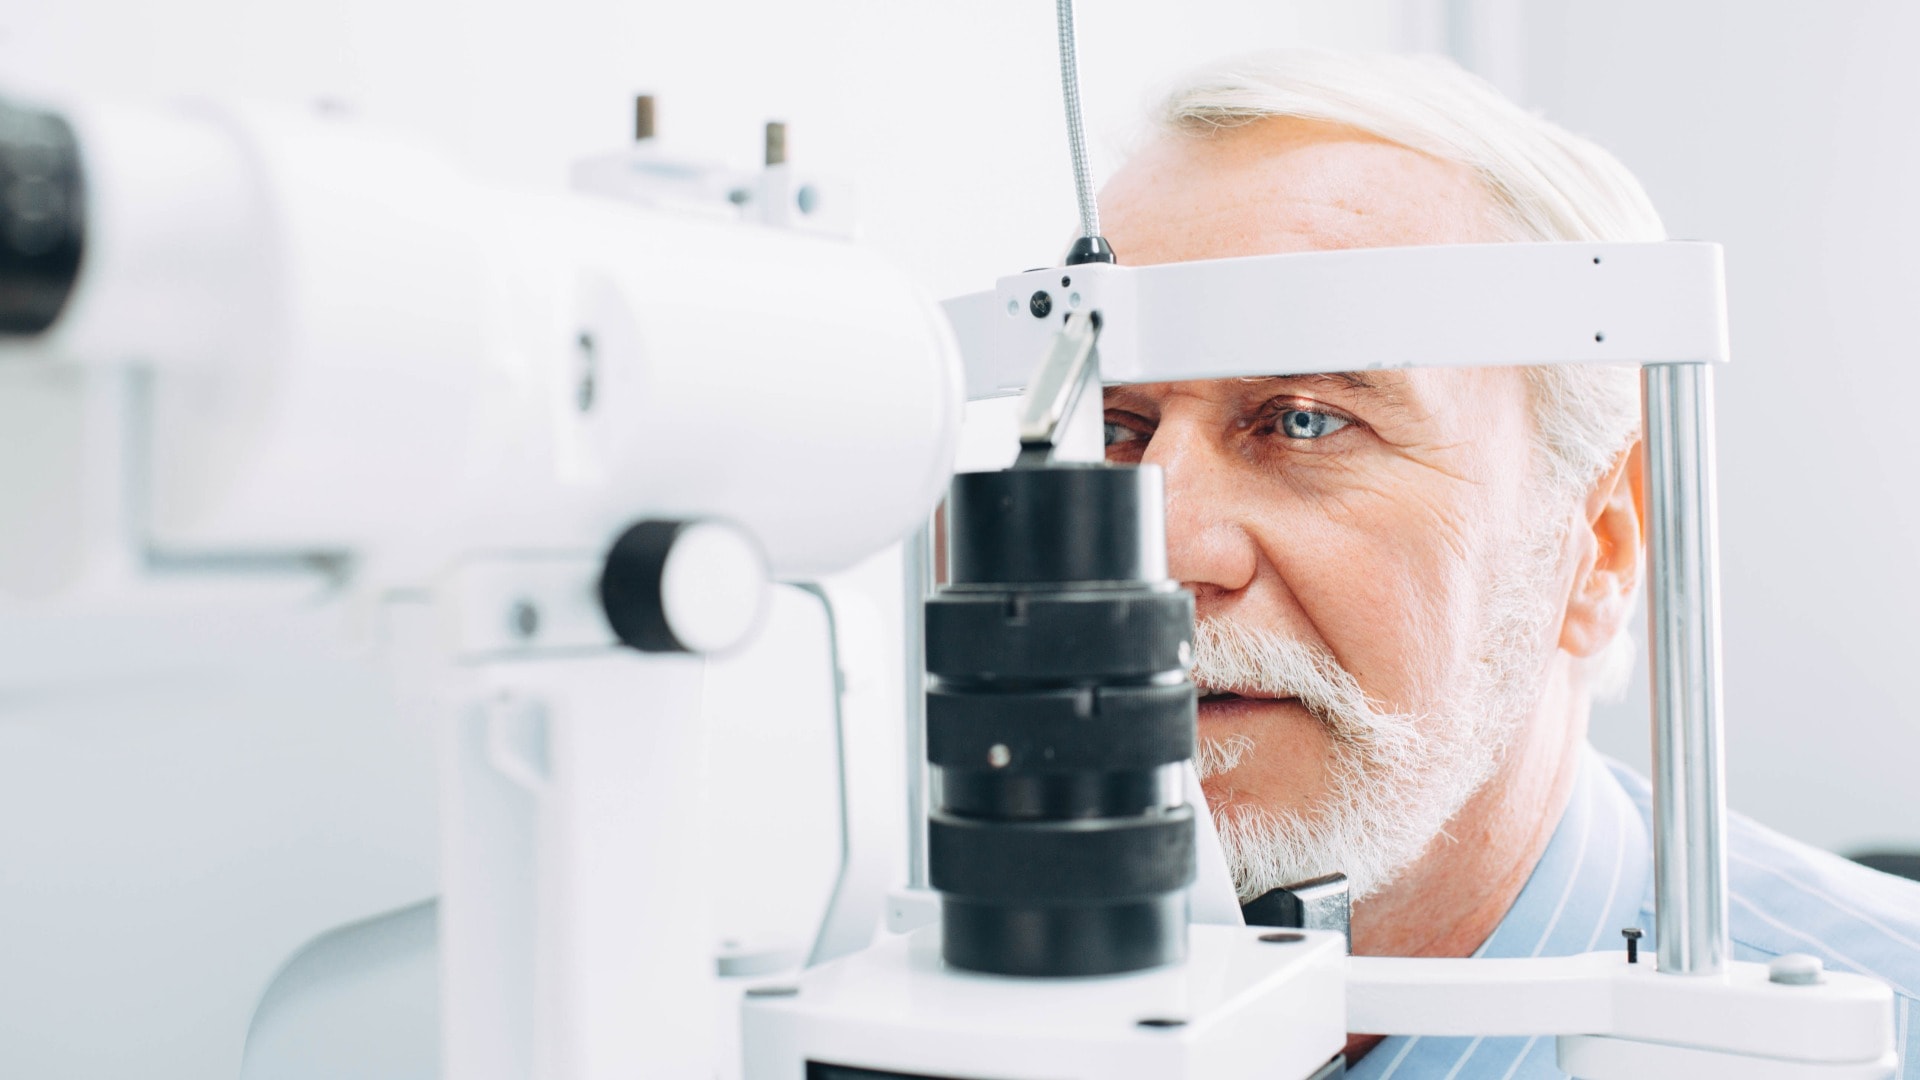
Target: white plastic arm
[(1844, 1021), (1458, 305)]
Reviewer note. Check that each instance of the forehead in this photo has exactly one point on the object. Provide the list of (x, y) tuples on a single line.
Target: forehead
[(1279, 185)]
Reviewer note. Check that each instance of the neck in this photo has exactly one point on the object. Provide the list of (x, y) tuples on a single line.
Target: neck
[(1451, 899)]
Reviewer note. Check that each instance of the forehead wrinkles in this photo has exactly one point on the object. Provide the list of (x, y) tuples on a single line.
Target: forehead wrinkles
[(1288, 185)]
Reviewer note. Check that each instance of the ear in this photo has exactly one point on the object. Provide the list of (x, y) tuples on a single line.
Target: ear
[(1612, 557)]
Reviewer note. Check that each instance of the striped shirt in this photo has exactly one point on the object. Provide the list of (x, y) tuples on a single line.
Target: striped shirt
[(1596, 877)]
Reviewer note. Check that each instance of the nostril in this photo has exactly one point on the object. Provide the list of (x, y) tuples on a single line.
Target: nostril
[(1205, 593)]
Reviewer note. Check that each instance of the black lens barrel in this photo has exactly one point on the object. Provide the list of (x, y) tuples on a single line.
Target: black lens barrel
[(42, 218), (1062, 523), (1057, 707)]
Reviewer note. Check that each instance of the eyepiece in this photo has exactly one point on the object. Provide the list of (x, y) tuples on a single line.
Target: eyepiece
[(42, 218)]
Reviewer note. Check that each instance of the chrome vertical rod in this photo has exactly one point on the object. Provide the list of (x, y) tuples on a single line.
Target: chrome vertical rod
[(916, 583), (1689, 801), (1076, 130)]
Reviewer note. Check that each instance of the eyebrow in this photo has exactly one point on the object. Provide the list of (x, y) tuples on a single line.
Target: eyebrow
[(1345, 380), (1352, 380), (1388, 396)]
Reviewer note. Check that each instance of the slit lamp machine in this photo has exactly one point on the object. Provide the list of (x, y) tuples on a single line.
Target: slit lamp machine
[(594, 433)]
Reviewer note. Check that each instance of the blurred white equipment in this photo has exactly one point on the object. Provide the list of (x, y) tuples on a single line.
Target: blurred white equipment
[(570, 422)]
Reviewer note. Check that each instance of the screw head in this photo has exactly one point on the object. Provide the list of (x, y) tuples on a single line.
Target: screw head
[(999, 756), (1041, 304), (1161, 1022)]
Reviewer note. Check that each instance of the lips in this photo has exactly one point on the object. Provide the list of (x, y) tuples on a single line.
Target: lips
[(1223, 695), (1227, 705)]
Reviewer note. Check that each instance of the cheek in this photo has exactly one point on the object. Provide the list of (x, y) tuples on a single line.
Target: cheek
[(1390, 586)]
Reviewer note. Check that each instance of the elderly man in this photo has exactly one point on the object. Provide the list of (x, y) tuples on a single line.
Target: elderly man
[(1411, 584)]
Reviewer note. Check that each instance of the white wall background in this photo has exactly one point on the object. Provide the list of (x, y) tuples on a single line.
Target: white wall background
[(1785, 131)]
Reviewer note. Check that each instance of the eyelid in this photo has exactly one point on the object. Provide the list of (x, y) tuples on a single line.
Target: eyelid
[(1137, 432), (1274, 406)]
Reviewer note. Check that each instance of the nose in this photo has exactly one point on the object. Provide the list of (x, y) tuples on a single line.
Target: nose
[(1209, 547)]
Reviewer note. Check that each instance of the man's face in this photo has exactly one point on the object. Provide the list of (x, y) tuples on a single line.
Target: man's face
[(1378, 528)]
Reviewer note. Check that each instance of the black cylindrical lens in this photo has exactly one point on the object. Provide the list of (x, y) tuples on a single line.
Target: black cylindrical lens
[(42, 218), (1058, 711), (1062, 523)]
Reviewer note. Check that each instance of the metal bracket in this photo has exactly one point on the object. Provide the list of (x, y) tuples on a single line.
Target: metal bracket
[(1056, 388), (1321, 904)]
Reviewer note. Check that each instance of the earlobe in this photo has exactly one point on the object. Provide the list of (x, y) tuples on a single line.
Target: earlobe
[(1607, 578)]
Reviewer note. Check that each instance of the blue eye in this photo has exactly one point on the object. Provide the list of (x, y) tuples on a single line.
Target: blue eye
[(1307, 424)]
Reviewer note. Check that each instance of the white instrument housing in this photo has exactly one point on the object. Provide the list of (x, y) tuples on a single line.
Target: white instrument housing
[(1458, 305), (354, 348)]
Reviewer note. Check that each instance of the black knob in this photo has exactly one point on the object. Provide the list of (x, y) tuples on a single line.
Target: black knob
[(42, 218), (1089, 249), (683, 586)]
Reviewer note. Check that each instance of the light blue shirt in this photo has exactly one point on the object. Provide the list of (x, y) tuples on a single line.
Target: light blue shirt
[(1596, 877)]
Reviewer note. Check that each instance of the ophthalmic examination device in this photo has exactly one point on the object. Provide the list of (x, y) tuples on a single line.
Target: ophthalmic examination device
[(297, 347)]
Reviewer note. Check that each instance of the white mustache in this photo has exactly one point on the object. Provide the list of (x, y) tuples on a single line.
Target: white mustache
[(1230, 657)]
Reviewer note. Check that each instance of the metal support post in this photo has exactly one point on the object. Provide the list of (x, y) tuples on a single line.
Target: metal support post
[(917, 582), (1689, 801)]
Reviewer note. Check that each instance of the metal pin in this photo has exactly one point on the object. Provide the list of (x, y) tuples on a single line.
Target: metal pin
[(643, 117)]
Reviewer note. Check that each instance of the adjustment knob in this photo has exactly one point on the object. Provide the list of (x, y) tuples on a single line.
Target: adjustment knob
[(684, 586)]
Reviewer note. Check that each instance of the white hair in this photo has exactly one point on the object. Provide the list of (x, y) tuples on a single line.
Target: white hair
[(1544, 182)]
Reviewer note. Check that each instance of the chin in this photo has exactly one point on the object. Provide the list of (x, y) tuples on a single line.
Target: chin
[(1285, 764)]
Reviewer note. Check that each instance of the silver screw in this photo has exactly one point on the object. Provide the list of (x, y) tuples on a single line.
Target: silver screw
[(643, 118), (998, 755)]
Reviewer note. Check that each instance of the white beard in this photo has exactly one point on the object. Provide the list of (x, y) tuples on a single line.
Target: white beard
[(1396, 778)]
